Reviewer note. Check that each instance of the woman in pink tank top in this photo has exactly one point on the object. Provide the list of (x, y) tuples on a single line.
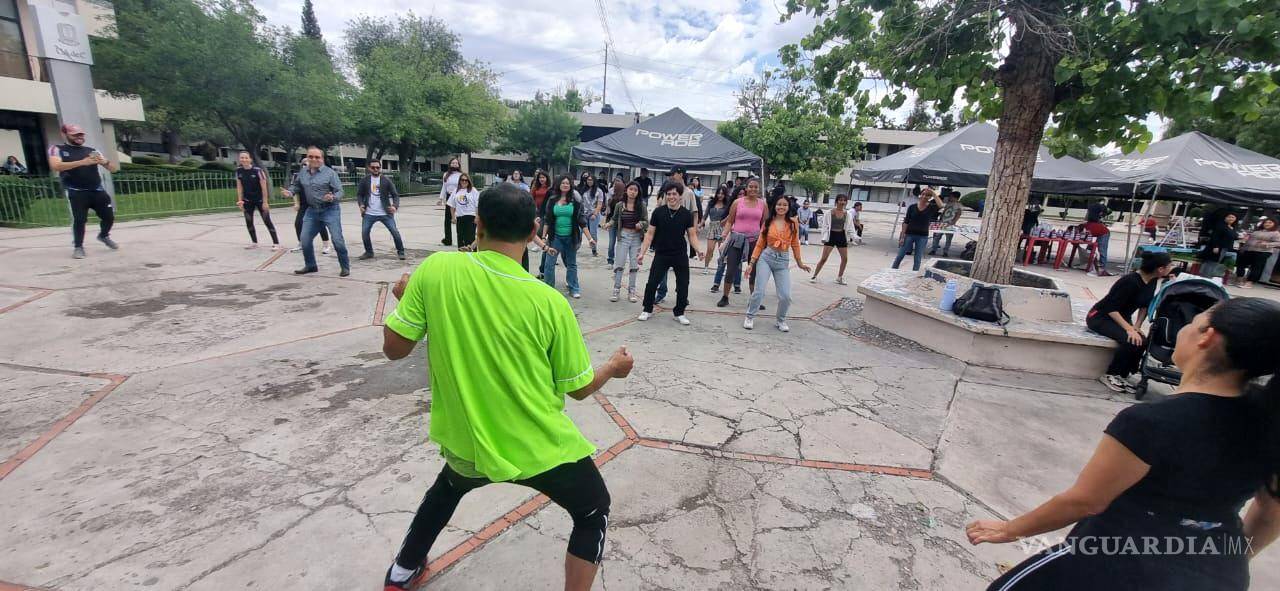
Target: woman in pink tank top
[(745, 216)]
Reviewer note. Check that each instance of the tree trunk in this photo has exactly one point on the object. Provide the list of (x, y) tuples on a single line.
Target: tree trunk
[(1028, 86), (171, 145)]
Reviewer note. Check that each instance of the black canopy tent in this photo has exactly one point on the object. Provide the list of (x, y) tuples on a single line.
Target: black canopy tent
[(1197, 167), (963, 158), (670, 139)]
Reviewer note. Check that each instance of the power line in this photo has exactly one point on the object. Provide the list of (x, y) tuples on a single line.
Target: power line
[(572, 57), (548, 74), (683, 77), (603, 13), (682, 65)]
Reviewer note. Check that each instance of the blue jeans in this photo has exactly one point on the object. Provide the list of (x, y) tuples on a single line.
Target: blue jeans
[(569, 253), (593, 226), (366, 224), (776, 265), (1103, 241), (804, 232), (629, 250), (915, 245), (721, 262), (323, 217), (613, 241), (937, 239)]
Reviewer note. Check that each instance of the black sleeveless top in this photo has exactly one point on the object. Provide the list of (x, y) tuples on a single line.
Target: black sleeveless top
[(84, 178), (251, 182)]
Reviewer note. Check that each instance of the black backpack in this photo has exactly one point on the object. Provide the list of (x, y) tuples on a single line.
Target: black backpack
[(982, 302), (969, 250)]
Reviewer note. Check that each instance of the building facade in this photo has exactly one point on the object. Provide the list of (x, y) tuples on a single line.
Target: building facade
[(28, 116)]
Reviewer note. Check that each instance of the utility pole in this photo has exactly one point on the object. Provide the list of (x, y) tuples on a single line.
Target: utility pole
[(604, 95)]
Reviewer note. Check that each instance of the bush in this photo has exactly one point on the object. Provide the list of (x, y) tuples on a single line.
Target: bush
[(191, 163), (1196, 212), (149, 160), (971, 200), (18, 193), (218, 166)]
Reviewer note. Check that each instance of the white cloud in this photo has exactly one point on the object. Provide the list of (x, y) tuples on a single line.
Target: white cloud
[(690, 54)]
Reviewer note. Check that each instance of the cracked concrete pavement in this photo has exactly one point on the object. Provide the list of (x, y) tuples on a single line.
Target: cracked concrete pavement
[(187, 414)]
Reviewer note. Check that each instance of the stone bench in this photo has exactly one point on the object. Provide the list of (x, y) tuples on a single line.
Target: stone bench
[(905, 303)]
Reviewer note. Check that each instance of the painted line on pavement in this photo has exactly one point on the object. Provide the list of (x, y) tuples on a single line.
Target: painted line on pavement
[(26, 287), (617, 417), (618, 324), (830, 307), (274, 258), (27, 300), (920, 473), (12, 587), (35, 446), (382, 302), (202, 234)]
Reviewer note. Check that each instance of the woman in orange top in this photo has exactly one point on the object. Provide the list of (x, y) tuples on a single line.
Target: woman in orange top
[(781, 233)]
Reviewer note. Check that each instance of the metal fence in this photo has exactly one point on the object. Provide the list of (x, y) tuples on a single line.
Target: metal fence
[(36, 201)]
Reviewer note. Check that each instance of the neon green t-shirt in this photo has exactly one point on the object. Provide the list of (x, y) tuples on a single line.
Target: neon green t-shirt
[(504, 350)]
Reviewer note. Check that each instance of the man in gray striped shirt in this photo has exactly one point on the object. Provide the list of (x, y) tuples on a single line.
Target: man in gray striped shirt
[(321, 188)]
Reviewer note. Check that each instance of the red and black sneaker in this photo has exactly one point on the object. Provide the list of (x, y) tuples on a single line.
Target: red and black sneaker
[(415, 579)]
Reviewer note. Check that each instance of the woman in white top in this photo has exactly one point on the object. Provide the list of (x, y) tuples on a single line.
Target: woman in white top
[(517, 179), (447, 190), (593, 202), (462, 206)]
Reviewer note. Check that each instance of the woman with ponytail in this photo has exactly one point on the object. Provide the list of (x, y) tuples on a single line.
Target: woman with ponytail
[(1158, 504)]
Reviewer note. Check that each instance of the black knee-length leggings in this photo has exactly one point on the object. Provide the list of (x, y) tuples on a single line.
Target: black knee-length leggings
[(576, 486)]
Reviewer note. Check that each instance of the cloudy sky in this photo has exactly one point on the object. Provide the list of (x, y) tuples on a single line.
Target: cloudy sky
[(686, 53)]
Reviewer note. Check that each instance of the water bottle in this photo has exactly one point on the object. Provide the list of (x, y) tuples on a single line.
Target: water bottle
[(948, 296)]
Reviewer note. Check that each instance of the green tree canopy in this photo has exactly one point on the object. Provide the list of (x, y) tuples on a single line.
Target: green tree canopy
[(1262, 135), (542, 129), (1098, 67), (813, 182), (310, 26), (792, 129), (417, 95)]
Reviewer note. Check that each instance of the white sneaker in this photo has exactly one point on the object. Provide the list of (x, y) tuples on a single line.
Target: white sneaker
[(326, 249), (683, 320), (296, 249), (840, 281), (813, 280), (644, 316), (782, 326), (1115, 383), (749, 323), (614, 297)]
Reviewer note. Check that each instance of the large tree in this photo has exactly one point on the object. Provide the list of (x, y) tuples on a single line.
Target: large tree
[(418, 96), (1098, 67), (542, 129), (310, 26), (792, 128), (216, 61)]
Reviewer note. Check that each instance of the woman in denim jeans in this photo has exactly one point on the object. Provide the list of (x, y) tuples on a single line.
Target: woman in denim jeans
[(628, 220), (781, 233), (915, 227), (564, 223)]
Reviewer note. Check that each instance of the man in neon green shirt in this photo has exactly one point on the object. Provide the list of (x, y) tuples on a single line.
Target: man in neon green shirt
[(505, 349)]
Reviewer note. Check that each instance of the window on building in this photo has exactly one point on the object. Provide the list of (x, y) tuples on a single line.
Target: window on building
[(14, 62)]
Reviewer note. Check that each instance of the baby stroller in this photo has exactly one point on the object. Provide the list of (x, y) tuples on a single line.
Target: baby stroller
[(1174, 306)]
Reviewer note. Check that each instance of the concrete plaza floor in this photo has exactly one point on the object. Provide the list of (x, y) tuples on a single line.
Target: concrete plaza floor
[(187, 414)]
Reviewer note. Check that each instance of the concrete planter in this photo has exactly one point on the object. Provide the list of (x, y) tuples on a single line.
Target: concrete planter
[(1046, 333)]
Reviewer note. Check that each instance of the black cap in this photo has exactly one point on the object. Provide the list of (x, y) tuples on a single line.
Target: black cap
[(678, 169)]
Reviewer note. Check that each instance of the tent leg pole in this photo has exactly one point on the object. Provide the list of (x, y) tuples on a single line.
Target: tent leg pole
[(897, 214), (1146, 212)]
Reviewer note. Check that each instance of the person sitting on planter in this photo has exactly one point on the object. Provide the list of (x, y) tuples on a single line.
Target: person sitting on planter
[(1112, 317)]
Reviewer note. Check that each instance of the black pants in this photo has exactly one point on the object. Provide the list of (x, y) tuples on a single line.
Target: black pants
[(249, 207), (1127, 356), (297, 222), (658, 271), (448, 226), (577, 487), (466, 229), (81, 203), (1253, 262)]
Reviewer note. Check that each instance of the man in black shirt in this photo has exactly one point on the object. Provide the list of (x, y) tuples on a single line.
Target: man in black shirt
[(646, 185), (669, 227), (915, 227), (77, 167)]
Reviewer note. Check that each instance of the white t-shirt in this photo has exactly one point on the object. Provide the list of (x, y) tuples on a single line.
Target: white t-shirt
[(465, 202), (375, 197)]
